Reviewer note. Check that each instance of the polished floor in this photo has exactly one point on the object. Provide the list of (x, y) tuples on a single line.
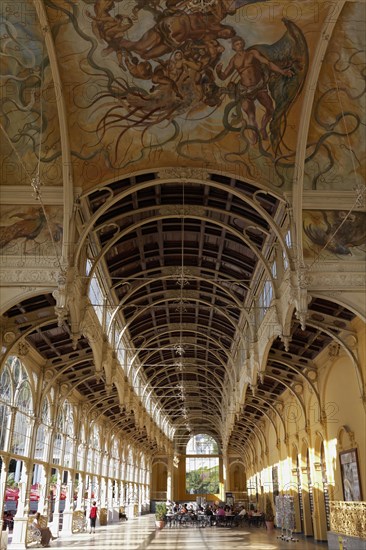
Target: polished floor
[(140, 534)]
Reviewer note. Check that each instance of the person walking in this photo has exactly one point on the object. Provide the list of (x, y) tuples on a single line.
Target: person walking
[(93, 517)]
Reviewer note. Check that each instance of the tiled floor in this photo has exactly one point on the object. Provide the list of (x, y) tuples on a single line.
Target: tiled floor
[(140, 534)]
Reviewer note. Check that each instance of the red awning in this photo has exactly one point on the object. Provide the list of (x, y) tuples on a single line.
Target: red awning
[(12, 494), (34, 493)]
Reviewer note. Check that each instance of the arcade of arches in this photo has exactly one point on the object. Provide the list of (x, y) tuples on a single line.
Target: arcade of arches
[(183, 251)]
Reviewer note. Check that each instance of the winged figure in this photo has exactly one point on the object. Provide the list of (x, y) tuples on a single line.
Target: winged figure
[(336, 231), (28, 226), (290, 52)]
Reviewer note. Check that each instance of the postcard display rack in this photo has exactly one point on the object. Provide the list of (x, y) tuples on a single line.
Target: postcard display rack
[(285, 517)]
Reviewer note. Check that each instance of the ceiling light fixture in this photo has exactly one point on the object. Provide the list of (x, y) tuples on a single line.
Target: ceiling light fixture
[(179, 349)]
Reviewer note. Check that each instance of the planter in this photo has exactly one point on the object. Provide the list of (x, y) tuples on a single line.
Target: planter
[(270, 525), (159, 523)]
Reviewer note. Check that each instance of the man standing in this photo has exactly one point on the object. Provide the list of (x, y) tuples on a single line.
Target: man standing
[(253, 85)]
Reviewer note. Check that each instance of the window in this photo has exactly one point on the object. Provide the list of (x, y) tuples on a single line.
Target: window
[(265, 298), (96, 297), (42, 440), (202, 470), (5, 399), (289, 244)]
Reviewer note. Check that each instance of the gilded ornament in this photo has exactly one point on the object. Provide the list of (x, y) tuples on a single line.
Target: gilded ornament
[(348, 518)]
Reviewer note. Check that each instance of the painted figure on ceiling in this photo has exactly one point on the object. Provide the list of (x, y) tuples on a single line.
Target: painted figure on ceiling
[(252, 84), (31, 227), (111, 29), (174, 67), (176, 27), (339, 232)]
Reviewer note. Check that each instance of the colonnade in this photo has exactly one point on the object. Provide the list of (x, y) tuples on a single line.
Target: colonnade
[(56, 460)]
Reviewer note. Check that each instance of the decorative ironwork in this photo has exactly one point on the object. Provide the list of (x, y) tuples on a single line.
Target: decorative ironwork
[(348, 518), (181, 277), (360, 195), (179, 349), (181, 306), (178, 365)]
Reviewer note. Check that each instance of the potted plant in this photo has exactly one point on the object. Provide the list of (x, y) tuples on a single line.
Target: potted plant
[(160, 514), (269, 515)]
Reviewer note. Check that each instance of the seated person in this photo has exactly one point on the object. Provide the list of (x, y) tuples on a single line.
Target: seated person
[(46, 534)]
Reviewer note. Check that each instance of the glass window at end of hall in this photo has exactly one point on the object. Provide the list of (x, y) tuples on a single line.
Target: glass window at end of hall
[(202, 466), (202, 444)]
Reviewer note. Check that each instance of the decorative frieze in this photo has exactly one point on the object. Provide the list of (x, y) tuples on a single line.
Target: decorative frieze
[(186, 210), (337, 281), (12, 276), (183, 173), (23, 348), (348, 518), (333, 349)]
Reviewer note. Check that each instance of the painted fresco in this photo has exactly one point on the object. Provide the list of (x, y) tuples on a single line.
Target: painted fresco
[(336, 148), (208, 83), (30, 231), (28, 111), (334, 234)]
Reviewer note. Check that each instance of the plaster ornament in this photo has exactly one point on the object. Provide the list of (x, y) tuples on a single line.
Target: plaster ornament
[(64, 388), (286, 339), (9, 337), (351, 341), (185, 173), (48, 376), (333, 349), (23, 348), (311, 374), (298, 388)]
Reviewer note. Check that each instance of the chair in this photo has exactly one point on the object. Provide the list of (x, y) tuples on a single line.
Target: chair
[(34, 535), (169, 520), (203, 521), (220, 521), (257, 521), (122, 514), (79, 523)]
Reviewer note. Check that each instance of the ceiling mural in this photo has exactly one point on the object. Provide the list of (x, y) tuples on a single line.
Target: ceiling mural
[(335, 156), (28, 109), (212, 83), (31, 230), (334, 234)]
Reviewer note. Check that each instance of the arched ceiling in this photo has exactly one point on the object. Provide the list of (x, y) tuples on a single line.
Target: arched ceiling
[(176, 158), (181, 258)]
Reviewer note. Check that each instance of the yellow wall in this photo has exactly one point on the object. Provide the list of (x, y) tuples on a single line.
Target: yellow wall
[(343, 426)]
